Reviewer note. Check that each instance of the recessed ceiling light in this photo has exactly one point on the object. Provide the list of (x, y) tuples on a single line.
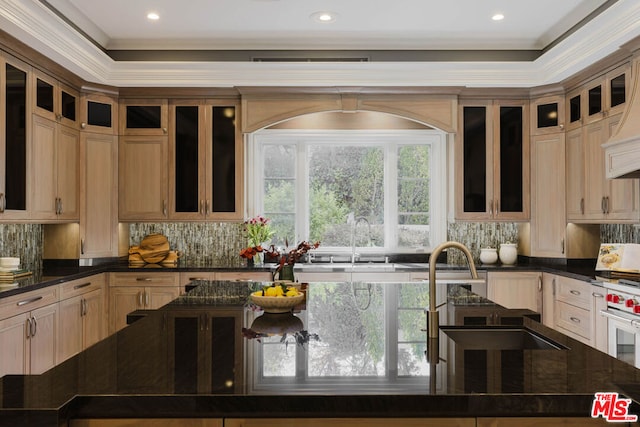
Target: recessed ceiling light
[(152, 16), (324, 17), (498, 17)]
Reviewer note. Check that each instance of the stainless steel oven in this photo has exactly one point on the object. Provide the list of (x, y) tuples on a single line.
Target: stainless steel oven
[(623, 320)]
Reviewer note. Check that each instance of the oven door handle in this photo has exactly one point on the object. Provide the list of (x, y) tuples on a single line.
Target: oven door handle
[(633, 322)]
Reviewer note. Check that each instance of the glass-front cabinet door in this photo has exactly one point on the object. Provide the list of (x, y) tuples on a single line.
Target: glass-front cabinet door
[(14, 120), (206, 160), (492, 154), (55, 101), (143, 117)]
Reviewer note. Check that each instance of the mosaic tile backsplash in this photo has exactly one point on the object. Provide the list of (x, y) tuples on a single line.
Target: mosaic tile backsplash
[(220, 243), (24, 241), (477, 235), (620, 233), (201, 244)]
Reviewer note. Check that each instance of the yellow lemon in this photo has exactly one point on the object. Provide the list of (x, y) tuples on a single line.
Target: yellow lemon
[(279, 291), (292, 293), (271, 292)]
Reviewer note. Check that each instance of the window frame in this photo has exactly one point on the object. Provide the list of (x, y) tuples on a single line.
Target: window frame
[(390, 140)]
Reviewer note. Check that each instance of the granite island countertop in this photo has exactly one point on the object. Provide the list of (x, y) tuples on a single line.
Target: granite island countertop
[(350, 350)]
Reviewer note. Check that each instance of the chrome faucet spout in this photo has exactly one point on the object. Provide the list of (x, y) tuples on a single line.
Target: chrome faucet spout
[(433, 319)]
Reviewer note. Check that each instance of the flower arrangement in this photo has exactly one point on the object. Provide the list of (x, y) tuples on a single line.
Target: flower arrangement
[(257, 230), (293, 255)]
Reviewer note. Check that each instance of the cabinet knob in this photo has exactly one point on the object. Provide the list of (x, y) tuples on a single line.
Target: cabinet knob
[(2, 202), (83, 125)]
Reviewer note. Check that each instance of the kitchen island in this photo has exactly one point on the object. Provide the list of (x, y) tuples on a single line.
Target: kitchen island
[(351, 350)]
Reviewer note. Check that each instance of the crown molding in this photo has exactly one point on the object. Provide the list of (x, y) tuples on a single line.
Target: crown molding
[(38, 27)]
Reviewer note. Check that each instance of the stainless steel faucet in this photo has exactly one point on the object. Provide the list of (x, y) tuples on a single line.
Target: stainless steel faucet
[(433, 318), (356, 221)]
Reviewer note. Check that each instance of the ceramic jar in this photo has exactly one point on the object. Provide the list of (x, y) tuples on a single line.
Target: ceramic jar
[(508, 253), (488, 255)]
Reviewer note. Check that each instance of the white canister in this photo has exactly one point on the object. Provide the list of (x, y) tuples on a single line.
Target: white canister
[(488, 255), (508, 253)]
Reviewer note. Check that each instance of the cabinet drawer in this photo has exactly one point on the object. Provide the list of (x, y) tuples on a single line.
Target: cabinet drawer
[(574, 292), (574, 319), (28, 301), (81, 286), (245, 276), (144, 279)]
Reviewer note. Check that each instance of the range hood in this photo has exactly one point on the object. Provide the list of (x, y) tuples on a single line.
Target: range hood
[(622, 150)]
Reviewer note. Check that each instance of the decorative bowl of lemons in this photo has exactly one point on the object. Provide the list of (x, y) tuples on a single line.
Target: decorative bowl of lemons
[(277, 298)]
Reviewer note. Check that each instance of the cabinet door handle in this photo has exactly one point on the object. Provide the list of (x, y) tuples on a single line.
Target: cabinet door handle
[(491, 208), (206, 207), (574, 292), (540, 284), (202, 207), (574, 319), (60, 205), (553, 286), (562, 245), (28, 327), (582, 206), (28, 301), (597, 295), (144, 279), (146, 299), (84, 285), (2, 203), (607, 204), (602, 208), (497, 207), (82, 246), (140, 299), (164, 208), (34, 326)]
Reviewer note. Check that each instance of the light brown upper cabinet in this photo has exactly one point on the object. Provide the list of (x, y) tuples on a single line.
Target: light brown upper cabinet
[(99, 113), (55, 167), (547, 115), (143, 170), (143, 117), (601, 97), (55, 101), (492, 161), (594, 111), (98, 195), (205, 154), (14, 143), (591, 197)]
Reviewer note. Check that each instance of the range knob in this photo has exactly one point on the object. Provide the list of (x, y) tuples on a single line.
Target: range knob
[(636, 309), (616, 299), (631, 303)]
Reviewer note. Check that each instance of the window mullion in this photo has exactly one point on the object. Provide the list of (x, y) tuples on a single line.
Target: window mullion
[(391, 196), (302, 192)]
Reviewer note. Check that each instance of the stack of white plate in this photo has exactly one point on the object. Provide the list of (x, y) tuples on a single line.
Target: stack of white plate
[(9, 263)]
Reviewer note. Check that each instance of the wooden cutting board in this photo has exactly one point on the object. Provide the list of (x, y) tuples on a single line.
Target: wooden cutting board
[(152, 249)]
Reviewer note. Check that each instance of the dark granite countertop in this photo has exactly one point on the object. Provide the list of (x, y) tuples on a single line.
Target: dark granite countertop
[(349, 350), (53, 274)]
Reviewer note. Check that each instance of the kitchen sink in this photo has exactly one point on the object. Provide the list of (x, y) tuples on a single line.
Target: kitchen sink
[(348, 267), (500, 338)]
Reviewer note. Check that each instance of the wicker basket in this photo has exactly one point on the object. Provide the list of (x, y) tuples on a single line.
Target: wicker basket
[(277, 304)]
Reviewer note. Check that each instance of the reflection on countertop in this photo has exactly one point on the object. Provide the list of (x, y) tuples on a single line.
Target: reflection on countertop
[(193, 358)]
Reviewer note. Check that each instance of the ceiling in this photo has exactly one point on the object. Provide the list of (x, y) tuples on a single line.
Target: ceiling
[(278, 43), (359, 24)]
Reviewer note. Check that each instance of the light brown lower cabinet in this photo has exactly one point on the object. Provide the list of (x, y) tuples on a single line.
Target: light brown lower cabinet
[(350, 422), (148, 422)]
